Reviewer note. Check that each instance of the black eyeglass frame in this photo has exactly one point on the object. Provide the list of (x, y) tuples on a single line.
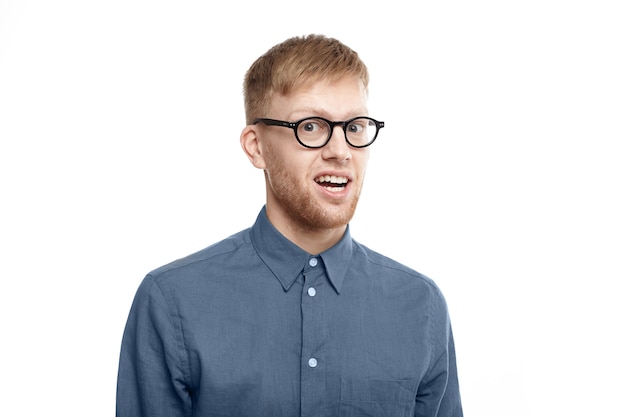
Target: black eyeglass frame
[(332, 124)]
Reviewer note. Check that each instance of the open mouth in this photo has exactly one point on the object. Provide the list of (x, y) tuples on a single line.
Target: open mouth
[(332, 183)]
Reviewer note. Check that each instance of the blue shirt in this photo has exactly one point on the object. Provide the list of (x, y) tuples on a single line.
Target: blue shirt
[(255, 326)]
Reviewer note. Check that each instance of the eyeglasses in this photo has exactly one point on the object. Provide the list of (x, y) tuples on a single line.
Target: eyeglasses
[(315, 132)]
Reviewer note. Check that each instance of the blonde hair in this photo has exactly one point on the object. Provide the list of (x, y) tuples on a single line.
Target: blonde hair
[(297, 62)]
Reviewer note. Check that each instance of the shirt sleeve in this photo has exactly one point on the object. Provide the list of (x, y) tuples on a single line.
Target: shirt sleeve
[(151, 377), (438, 394)]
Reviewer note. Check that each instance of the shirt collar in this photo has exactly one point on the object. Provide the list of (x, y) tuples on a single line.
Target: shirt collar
[(286, 260)]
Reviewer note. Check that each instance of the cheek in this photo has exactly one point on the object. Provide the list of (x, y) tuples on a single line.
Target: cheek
[(288, 162), (279, 169), (271, 158), (361, 161)]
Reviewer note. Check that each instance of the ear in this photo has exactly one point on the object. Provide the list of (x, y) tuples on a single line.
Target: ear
[(252, 147)]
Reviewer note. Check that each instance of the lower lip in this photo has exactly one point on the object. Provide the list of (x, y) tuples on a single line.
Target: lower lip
[(341, 193)]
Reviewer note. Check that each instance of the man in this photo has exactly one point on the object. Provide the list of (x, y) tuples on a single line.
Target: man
[(292, 317)]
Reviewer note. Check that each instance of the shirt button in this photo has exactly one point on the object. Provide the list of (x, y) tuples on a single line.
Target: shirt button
[(312, 363), (311, 291), (313, 261)]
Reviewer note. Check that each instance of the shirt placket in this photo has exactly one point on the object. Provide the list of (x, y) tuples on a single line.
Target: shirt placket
[(313, 363)]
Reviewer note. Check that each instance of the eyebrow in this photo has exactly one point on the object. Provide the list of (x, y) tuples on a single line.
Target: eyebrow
[(311, 111)]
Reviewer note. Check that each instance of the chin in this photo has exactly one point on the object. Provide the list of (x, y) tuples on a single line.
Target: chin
[(333, 218)]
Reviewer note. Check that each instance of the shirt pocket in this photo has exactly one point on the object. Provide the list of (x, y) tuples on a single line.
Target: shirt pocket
[(377, 398)]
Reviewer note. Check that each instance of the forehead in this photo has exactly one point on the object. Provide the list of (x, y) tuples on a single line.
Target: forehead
[(331, 98)]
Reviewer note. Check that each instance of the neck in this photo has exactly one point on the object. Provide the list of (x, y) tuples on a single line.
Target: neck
[(310, 239), (318, 241)]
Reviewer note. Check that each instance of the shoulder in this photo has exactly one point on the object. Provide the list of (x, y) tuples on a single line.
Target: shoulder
[(375, 259), (234, 247), (386, 269)]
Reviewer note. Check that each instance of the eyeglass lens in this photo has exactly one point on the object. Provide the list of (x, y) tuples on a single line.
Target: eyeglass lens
[(316, 132)]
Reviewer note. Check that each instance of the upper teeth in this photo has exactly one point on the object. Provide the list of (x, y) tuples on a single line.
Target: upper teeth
[(332, 179)]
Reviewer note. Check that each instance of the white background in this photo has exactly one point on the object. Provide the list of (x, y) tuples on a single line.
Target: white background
[(500, 174)]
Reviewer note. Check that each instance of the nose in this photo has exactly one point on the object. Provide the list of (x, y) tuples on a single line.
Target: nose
[(337, 148)]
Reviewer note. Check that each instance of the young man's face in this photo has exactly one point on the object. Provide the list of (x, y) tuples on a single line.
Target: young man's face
[(313, 189)]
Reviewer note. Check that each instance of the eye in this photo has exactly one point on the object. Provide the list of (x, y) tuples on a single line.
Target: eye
[(357, 126), (313, 128), (310, 126)]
